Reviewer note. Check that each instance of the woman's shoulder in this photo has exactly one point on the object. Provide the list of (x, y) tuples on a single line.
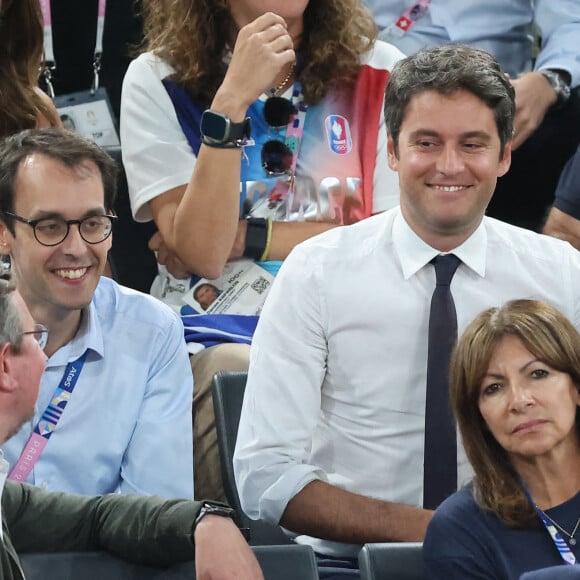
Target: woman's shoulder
[(42, 120), (457, 507), (382, 56), (150, 65)]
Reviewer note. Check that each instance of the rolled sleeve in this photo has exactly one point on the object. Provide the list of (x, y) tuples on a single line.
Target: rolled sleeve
[(283, 395)]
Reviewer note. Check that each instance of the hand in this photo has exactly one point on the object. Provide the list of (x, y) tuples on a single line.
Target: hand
[(563, 226), (263, 49), (222, 553), (168, 258), (534, 96)]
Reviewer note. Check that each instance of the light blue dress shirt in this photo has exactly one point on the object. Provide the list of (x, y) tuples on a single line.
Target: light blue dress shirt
[(127, 426), (502, 27)]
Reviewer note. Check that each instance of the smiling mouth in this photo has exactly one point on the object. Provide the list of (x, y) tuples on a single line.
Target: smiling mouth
[(449, 188), (71, 273)]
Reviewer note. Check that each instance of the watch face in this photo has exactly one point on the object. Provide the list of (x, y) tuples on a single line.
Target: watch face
[(214, 126)]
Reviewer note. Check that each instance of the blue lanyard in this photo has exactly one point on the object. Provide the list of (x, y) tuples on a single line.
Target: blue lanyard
[(52, 414), (48, 422), (560, 543)]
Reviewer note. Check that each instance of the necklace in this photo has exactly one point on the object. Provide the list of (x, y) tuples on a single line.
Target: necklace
[(572, 540), (275, 91)]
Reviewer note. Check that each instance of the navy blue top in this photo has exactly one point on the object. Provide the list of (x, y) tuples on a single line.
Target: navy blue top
[(463, 541), (567, 196)]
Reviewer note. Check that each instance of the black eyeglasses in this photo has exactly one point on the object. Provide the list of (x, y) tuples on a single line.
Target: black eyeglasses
[(40, 334), (276, 155), (52, 231)]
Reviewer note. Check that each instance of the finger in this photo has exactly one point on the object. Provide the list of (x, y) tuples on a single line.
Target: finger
[(261, 23), (273, 33), (176, 269), (155, 241)]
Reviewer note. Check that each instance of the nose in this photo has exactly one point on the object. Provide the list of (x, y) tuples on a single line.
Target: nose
[(450, 160), (520, 398), (73, 243)]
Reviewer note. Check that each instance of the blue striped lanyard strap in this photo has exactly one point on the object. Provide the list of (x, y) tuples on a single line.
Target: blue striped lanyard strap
[(49, 420), (560, 543)]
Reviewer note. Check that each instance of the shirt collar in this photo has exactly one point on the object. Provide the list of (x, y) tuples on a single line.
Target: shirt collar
[(414, 253), (88, 336)]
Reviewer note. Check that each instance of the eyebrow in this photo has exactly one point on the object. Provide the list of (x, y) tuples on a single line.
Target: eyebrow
[(521, 370), (467, 135), (42, 214)]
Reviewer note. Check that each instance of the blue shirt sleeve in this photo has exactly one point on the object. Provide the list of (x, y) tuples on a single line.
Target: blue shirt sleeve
[(159, 454)]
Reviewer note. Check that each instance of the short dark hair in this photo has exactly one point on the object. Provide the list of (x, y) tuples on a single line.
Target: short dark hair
[(446, 69), (67, 147), (10, 320)]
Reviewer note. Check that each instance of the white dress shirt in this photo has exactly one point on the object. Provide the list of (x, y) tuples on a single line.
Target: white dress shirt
[(336, 387)]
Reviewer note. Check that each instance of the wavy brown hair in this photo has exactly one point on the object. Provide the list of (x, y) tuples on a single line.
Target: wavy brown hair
[(21, 45), (193, 37), (552, 339)]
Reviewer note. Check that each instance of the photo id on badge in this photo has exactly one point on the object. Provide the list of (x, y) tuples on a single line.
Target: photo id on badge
[(90, 115)]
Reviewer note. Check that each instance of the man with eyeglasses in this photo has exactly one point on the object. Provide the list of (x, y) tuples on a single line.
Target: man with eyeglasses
[(114, 408), (34, 520)]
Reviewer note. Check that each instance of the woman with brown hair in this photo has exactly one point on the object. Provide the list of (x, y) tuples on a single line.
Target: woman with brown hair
[(22, 103), (247, 127), (515, 390)]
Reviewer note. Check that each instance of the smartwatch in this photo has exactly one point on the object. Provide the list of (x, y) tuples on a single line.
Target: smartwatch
[(559, 84), (220, 131), (209, 508)]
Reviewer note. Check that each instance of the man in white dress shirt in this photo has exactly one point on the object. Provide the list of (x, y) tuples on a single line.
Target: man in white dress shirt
[(331, 437)]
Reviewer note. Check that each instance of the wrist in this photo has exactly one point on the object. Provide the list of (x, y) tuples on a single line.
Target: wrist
[(258, 238), (559, 82), (229, 103)]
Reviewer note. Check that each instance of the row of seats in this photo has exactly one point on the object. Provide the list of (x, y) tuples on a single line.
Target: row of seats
[(377, 562), (396, 561)]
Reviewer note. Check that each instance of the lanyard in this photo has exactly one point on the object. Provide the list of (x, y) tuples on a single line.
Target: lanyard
[(49, 420), (296, 124), (565, 552), (406, 21), (50, 63)]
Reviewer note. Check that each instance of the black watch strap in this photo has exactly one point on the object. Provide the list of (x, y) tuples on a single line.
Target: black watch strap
[(218, 130), (215, 509), (256, 238), (210, 508)]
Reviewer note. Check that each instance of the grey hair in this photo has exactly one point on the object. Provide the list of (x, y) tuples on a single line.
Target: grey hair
[(11, 325)]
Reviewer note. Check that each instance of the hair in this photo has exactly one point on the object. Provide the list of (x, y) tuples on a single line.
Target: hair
[(11, 323), (447, 69), (193, 36), (66, 147), (21, 49), (550, 337)]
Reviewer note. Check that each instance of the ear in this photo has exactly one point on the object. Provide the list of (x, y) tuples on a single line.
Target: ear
[(5, 239), (7, 381), (506, 159), (392, 154)]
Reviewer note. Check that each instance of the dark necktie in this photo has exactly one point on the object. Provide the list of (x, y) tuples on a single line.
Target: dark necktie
[(440, 473)]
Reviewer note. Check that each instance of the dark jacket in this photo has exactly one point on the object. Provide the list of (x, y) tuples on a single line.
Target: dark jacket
[(146, 530)]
